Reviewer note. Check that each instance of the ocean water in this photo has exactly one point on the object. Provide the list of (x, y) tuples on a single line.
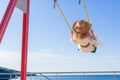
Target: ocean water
[(73, 77)]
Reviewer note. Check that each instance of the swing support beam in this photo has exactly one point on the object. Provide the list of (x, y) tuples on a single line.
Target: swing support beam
[(25, 42), (3, 26), (6, 17)]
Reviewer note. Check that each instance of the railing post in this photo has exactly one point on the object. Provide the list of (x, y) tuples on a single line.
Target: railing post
[(30, 76), (114, 76), (10, 76), (15, 76), (56, 76), (84, 77)]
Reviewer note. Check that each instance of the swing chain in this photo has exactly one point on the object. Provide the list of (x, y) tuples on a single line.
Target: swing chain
[(87, 17), (79, 1), (54, 3), (60, 10)]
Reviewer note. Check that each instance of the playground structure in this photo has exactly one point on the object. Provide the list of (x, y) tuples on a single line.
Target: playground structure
[(23, 5)]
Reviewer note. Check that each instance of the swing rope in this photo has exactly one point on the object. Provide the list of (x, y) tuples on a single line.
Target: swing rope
[(55, 1), (87, 17), (85, 9)]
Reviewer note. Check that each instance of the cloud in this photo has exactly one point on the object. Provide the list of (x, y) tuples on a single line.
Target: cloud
[(10, 59), (50, 61)]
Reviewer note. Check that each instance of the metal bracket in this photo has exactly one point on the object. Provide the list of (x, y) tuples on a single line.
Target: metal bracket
[(22, 5)]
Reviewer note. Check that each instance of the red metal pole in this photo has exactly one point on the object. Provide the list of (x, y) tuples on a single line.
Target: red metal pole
[(25, 42), (6, 17)]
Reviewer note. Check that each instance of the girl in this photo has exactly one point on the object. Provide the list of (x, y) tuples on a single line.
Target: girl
[(84, 36)]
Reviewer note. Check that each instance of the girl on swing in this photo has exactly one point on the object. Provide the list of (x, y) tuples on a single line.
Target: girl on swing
[(83, 35)]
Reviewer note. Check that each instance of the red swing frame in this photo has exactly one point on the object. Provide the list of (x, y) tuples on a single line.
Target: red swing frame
[(3, 26)]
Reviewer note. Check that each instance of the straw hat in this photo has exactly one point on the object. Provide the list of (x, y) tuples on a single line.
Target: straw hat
[(81, 26)]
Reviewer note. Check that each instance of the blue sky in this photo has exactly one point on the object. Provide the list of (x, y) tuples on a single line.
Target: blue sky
[(50, 48)]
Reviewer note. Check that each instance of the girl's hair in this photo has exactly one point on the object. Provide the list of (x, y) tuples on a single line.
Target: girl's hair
[(84, 31)]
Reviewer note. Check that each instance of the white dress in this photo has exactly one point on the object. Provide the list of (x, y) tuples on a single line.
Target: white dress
[(87, 45)]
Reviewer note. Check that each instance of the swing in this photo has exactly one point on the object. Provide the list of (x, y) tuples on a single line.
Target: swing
[(80, 30)]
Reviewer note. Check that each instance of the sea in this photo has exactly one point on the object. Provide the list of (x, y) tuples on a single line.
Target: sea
[(73, 77)]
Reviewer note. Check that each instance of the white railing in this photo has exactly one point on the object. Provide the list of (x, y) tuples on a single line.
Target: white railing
[(44, 75)]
